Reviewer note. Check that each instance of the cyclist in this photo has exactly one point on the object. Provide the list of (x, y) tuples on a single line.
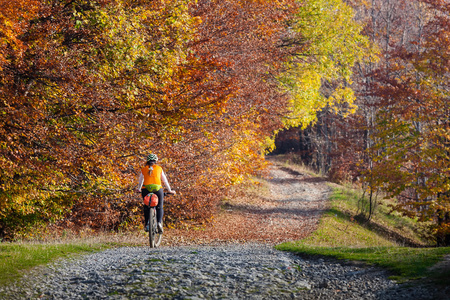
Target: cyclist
[(150, 179)]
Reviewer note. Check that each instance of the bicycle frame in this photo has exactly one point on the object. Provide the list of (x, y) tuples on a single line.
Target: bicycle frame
[(154, 235)]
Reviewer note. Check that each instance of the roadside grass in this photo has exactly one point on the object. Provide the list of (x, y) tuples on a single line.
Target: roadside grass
[(341, 235), (17, 258)]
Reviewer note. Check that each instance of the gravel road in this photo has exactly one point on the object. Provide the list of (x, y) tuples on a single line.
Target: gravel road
[(248, 271)]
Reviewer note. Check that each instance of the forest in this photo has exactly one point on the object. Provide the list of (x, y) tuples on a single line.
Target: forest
[(89, 88)]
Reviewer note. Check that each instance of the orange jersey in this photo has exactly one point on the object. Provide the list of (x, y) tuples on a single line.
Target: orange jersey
[(154, 177)]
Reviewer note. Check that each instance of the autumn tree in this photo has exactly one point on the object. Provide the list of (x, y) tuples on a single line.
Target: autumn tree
[(96, 85), (224, 143), (320, 78), (396, 142), (413, 124), (70, 118), (319, 75)]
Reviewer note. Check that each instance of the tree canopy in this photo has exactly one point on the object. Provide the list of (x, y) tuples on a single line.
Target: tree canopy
[(89, 88)]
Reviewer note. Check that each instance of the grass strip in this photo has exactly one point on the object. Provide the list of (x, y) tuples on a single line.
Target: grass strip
[(15, 259), (404, 262)]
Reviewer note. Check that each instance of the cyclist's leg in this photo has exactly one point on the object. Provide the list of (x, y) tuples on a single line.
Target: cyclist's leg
[(146, 208), (159, 207)]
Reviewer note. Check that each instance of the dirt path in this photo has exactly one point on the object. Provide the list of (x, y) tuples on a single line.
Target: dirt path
[(289, 210)]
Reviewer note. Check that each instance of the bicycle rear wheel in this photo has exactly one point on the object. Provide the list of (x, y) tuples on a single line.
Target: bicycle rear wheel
[(155, 237)]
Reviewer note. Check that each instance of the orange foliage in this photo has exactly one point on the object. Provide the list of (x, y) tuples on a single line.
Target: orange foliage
[(15, 16), (89, 88)]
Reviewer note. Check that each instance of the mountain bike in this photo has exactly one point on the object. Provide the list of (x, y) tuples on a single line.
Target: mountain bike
[(154, 235)]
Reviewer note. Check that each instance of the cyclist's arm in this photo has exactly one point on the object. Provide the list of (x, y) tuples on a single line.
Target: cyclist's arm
[(166, 182), (140, 182)]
